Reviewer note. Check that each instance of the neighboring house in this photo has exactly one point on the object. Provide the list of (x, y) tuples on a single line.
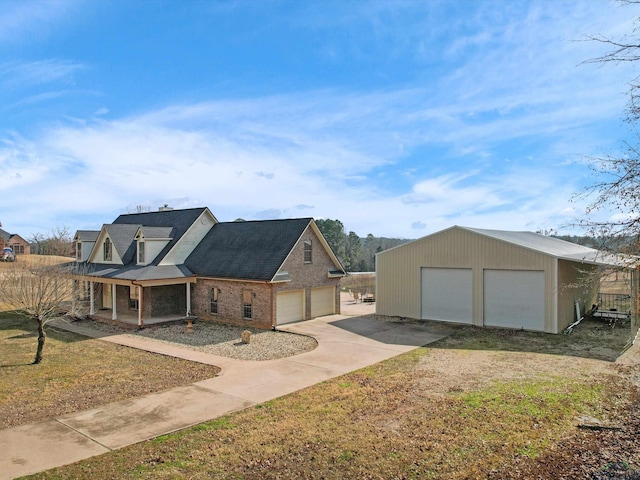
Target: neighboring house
[(19, 245), (518, 280), (186, 263)]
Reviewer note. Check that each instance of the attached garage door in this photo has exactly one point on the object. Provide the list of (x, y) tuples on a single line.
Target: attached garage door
[(322, 301), (447, 294), (289, 306), (514, 299)]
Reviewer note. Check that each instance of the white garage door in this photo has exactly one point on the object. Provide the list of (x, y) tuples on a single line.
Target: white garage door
[(514, 299), (289, 306), (322, 301), (447, 294)]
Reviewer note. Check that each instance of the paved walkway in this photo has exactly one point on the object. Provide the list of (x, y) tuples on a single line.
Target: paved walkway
[(344, 344)]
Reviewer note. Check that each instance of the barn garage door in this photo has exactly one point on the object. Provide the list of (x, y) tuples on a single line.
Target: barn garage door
[(447, 294), (322, 301), (514, 299), (289, 306)]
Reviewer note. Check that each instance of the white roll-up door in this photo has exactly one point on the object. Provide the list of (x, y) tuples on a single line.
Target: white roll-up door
[(447, 294), (514, 299)]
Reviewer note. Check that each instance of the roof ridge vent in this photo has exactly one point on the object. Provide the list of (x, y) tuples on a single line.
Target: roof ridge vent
[(165, 208)]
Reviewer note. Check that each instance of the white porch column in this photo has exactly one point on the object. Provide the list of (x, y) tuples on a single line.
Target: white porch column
[(188, 299), (92, 298), (114, 313), (140, 297)]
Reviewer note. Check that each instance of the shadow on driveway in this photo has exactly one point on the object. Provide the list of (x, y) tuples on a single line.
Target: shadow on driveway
[(397, 333)]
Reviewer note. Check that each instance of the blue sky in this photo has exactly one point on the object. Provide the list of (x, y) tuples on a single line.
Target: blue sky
[(400, 118)]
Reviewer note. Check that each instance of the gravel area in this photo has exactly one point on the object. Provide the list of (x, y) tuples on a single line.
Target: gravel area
[(218, 339)]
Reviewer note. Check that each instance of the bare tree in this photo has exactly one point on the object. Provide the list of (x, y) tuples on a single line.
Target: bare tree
[(38, 292), (59, 242), (618, 186)]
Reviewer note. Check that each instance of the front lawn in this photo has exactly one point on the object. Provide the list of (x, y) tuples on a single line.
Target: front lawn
[(77, 373), (453, 410)]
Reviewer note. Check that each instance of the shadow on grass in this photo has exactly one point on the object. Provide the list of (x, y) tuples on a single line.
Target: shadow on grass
[(592, 338), (15, 321)]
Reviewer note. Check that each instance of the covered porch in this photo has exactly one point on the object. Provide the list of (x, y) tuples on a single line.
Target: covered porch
[(131, 320), (134, 302)]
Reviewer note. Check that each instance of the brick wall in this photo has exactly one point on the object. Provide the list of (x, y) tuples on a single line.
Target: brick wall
[(309, 275), (303, 276), (20, 246), (230, 303), (167, 300)]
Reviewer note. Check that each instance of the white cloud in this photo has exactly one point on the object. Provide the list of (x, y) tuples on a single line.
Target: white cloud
[(395, 161)]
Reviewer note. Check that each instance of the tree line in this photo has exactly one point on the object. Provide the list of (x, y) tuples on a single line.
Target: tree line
[(356, 254)]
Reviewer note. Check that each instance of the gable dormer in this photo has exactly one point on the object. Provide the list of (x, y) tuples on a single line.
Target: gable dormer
[(115, 245), (84, 241), (150, 241)]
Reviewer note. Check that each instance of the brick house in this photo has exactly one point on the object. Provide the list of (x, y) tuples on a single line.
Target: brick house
[(18, 244), (186, 263)]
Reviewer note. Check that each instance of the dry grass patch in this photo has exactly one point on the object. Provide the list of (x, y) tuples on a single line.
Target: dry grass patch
[(447, 412), (77, 373)]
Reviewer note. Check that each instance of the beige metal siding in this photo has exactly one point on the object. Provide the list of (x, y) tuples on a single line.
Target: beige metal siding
[(398, 270), (578, 283)]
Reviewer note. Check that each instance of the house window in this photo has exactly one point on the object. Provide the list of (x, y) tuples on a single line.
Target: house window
[(307, 251), (247, 307), (107, 250), (134, 302), (214, 301), (79, 251), (140, 252), (17, 249)]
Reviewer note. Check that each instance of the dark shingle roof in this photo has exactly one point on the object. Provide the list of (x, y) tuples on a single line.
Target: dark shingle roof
[(87, 235), (5, 235), (252, 250), (122, 237), (180, 220), (156, 232), (134, 272)]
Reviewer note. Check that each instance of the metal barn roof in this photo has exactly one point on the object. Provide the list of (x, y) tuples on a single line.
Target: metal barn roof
[(556, 247)]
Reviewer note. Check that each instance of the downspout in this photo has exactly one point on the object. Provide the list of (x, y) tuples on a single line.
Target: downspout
[(273, 307)]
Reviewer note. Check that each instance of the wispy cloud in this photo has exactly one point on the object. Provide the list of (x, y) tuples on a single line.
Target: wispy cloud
[(24, 74), (481, 127)]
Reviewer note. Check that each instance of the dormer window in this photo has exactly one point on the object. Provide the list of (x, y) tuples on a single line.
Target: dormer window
[(141, 252), (307, 251), (107, 250)]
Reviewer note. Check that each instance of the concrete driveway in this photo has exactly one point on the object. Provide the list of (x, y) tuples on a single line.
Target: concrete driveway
[(345, 344)]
